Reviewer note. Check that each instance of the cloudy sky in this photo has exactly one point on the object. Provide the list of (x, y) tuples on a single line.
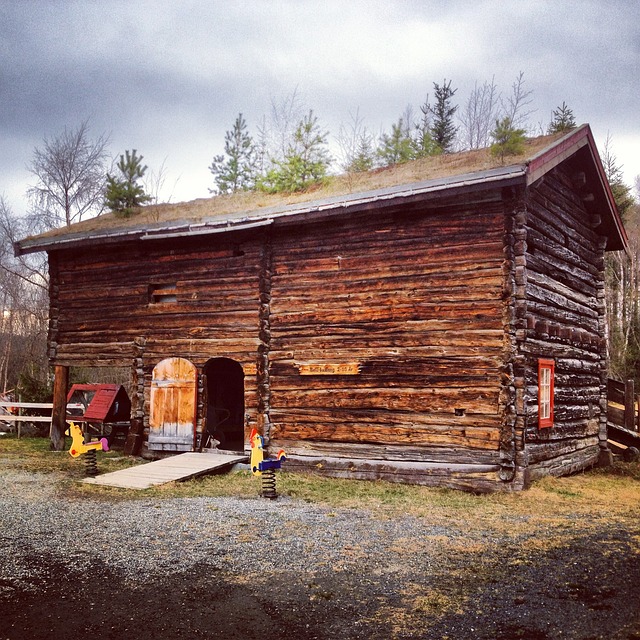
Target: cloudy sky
[(169, 77)]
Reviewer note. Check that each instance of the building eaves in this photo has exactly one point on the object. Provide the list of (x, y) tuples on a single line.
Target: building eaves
[(580, 143)]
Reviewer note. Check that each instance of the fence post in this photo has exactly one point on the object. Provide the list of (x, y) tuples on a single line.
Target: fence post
[(18, 424), (629, 406)]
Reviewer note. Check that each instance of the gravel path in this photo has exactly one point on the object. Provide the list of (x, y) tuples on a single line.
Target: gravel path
[(252, 568)]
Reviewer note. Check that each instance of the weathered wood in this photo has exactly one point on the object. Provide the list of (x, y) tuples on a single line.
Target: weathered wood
[(553, 449), (629, 408), (623, 408), (263, 375), (471, 436), (59, 410), (477, 478), (368, 451), (568, 463)]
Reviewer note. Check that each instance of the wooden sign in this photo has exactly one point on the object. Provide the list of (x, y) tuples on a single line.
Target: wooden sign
[(329, 369), (250, 369)]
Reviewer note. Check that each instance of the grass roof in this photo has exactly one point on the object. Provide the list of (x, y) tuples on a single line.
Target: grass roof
[(430, 168)]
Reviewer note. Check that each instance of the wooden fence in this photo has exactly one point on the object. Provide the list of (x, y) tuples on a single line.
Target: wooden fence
[(623, 417), (12, 412), (623, 407)]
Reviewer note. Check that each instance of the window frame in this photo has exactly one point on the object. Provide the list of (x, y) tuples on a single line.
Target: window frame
[(163, 293), (546, 405)]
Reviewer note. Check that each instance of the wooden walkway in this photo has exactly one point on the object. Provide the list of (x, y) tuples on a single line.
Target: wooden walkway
[(179, 467)]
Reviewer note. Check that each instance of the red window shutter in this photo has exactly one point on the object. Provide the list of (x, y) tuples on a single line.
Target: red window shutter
[(546, 385)]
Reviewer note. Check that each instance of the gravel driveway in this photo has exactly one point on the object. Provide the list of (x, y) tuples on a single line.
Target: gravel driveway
[(252, 568)]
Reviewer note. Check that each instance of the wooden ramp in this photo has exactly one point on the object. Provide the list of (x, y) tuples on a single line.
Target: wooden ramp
[(178, 467)]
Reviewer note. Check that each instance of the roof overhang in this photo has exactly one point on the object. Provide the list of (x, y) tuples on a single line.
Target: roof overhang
[(579, 147)]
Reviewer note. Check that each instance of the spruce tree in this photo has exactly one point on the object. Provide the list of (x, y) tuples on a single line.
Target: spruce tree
[(563, 120), (364, 157), (236, 170), (443, 131), (123, 193)]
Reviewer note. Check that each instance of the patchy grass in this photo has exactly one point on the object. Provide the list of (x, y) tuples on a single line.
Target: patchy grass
[(416, 607), (34, 454), (598, 494)]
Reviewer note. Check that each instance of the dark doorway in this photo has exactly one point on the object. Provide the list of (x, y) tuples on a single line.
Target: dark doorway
[(225, 403)]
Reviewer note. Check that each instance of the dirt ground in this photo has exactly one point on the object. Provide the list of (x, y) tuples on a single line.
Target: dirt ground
[(594, 600), (590, 589), (464, 567)]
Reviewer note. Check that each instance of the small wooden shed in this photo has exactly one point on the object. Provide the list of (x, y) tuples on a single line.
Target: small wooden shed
[(440, 323)]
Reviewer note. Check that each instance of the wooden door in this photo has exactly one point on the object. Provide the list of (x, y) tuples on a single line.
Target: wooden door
[(172, 419)]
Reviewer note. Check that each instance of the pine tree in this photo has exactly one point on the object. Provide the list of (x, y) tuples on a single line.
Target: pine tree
[(305, 163), (423, 143), (398, 146), (443, 131), (123, 193), (236, 170), (508, 141), (562, 121)]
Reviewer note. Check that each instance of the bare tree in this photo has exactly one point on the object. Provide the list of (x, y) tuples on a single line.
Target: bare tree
[(357, 145), (154, 183), (23, 307), (277, 133), (515, 106), (479, 116), (623, 278), (70, 171)]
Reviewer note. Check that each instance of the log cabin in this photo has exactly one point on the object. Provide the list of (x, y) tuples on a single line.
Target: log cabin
[(441, 322)]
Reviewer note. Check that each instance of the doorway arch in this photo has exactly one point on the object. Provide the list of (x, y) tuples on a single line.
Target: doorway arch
[(225, 402)]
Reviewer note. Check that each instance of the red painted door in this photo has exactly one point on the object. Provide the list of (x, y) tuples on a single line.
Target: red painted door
[(172, 419)]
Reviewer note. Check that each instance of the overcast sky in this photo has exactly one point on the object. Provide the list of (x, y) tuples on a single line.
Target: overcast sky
[(168, 78)]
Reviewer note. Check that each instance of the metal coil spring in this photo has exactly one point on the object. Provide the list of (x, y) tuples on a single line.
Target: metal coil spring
[(269, 484), (91, 463)]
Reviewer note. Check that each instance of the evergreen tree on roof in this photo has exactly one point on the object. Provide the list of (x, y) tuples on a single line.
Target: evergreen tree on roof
[(443, 129), (123, 193), (563, 120), (236, 169)]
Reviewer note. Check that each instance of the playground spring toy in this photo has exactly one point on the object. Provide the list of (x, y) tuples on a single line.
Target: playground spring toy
[(88, 449), (265, 467)]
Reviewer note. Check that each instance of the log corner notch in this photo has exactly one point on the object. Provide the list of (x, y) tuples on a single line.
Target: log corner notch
[(514, 313), (59, 411), (264, 339)]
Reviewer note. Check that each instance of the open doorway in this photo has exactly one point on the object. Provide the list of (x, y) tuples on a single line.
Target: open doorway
[(225, 403)]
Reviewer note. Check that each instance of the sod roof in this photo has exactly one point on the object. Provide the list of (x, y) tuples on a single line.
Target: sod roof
[(226, 212)]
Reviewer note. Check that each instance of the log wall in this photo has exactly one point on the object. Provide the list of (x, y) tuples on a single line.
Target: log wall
[(107, 308), (410, 306), (560, 311), (399, 342)]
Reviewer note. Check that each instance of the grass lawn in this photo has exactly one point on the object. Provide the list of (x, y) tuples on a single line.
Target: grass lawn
[(600, 493)]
